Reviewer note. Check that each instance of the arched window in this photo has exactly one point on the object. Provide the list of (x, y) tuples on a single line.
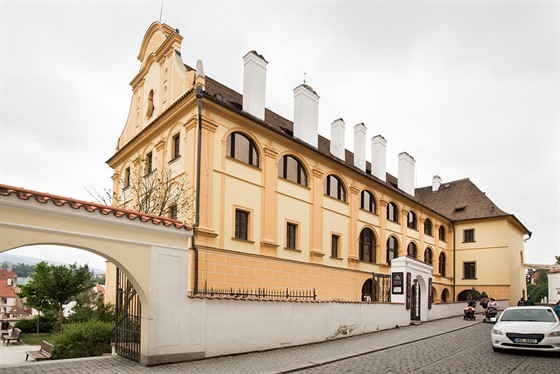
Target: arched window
[(292, 169), (367, 201), (392, 247), (444, 295), (367, 245), (442, 260), (412, 250), (442, 233), (411, 224), (335, 188), (393, 212), (428, 227), (428, 256), (151, 107), (241, 148)]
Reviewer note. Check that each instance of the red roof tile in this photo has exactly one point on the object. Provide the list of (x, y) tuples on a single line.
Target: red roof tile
[(44, 198)]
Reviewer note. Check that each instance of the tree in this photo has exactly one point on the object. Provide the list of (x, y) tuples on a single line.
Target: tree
[(53, 286), (557, 260), (23, 270), (150, 191)]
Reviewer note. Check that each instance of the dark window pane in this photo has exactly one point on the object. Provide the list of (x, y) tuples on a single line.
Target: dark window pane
[(334, 246), (241, 224), (291, 230)]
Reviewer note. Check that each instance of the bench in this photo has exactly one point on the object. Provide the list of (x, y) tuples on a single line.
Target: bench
[(14, 336), (44, 353)]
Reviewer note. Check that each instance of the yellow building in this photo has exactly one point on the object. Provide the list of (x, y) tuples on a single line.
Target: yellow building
[(277, 206)]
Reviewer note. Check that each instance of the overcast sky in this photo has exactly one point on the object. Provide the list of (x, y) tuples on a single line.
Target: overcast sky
[(469, 89)]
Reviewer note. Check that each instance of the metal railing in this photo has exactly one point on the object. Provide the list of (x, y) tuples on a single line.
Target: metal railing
[(259, 293)]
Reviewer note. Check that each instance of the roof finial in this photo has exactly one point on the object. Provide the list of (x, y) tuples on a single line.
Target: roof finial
[(160, 11), (304, 76)]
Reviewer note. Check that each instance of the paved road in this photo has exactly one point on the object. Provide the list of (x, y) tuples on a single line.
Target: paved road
[(462, 351), (439, 345)]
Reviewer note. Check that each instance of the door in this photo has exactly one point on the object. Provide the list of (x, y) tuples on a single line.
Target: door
[(415, 301)]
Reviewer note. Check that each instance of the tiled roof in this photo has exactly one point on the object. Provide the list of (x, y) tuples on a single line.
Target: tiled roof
[(45, 198), (459, 200), (6, 290), (7, 274)]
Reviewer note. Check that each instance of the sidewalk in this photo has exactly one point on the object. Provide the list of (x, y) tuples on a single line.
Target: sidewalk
[(15, 353), (274, 361)]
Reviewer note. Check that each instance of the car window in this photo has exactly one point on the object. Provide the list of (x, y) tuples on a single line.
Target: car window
[(529, 315)]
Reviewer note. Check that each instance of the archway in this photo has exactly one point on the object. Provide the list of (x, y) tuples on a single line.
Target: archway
[(151, 251), (445, 295), (464, 295)]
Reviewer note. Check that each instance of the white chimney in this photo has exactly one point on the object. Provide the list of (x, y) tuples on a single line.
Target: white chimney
[(254, 84), (379, 157), (436, 182), (337, 138), (306, 114), (360, 131), (406, 173)]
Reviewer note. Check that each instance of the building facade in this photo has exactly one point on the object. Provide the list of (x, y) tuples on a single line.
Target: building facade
[(277, 206)]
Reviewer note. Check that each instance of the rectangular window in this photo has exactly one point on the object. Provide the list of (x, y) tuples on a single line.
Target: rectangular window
[(291, 232), (468, 236), (241, 224), (149, 163), (173, 212), (469, 270), (335, 239), (127, 177), (176, 146)]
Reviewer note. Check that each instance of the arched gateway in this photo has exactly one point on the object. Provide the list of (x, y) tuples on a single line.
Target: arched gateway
[(151, 251)]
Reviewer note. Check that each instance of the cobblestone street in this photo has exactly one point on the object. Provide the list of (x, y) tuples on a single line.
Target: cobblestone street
[(445, 346)]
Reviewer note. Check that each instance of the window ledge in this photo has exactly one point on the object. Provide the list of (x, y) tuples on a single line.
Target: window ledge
[(242, 240), (315, 252), (292, 250), (336, 258), (175, 159)]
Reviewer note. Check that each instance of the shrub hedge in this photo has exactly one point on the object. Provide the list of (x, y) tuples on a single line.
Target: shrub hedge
[(85, 339)]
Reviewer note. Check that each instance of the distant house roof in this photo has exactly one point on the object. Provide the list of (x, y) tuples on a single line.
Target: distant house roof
[(7, 274), (45, 198), (6, 290)]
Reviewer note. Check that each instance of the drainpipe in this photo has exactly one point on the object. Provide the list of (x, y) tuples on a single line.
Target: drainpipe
[(199, 95), (454, 259)]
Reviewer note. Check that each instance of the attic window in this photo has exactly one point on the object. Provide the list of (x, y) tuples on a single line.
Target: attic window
[(151, 107), (460, 209), (218, 97), (447, 185)]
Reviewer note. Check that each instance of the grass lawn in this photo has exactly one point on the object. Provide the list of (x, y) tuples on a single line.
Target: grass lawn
[(36, 339)]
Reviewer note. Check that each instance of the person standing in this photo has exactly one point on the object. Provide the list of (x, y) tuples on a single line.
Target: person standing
[(521, 302), (529, 302)]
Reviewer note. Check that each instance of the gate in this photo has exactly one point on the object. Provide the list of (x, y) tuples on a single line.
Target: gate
[(127, 319)]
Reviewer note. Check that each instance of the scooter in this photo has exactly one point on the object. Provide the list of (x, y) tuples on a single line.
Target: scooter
[(491, 315)]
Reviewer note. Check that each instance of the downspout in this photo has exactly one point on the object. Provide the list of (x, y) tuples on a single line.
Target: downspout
[(454, 259), (199, 95)]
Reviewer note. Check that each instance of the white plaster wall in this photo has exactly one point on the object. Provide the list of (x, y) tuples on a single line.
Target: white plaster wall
[(244, 326)]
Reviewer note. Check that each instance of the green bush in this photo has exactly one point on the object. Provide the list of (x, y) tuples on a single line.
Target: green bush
[(46, 324), (85, 339)]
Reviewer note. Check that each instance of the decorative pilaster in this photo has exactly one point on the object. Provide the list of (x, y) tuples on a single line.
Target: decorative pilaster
[(380, 255), (353, 239), (316, 241), (269, 218)]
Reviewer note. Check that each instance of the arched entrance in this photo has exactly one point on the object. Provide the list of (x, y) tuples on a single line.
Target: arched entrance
[(464, 295), (368, 291), (150, 251)]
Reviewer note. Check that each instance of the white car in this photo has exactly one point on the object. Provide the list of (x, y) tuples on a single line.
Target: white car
[(530, 328)]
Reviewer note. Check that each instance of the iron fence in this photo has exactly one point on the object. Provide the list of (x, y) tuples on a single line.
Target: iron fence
[(260, 293)]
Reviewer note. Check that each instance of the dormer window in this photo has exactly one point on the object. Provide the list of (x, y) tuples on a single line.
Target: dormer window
[(151, 106)]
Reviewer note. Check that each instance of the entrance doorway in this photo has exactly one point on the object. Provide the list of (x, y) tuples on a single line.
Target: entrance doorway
[(415, 301)]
